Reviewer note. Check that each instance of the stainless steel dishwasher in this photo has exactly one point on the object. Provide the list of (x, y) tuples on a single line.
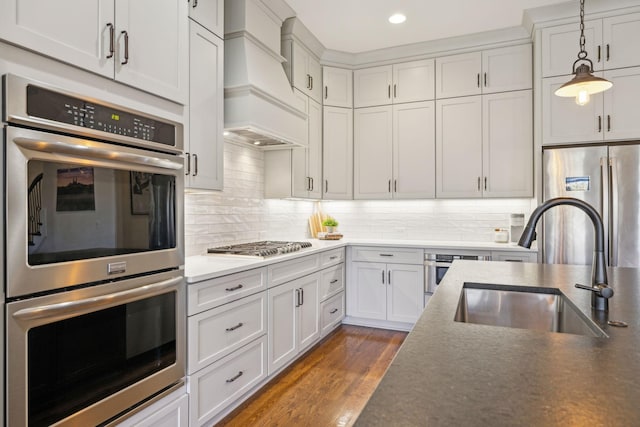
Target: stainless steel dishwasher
[(437, 264)]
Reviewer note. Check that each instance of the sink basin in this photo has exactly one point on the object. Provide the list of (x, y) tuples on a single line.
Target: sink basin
[(542, 309)]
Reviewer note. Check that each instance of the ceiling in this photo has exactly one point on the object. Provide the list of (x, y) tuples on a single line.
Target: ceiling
[(356, 26)]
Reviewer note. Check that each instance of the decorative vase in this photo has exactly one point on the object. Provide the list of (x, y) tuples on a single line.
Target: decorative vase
[(330, 228)]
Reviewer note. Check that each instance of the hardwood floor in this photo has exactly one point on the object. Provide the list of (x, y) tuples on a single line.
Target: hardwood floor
[(328, 386)]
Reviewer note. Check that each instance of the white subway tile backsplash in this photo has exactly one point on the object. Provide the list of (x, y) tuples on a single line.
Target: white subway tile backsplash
[(241, 214)]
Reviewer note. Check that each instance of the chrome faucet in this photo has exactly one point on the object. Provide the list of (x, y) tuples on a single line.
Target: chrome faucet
[(601, 292)]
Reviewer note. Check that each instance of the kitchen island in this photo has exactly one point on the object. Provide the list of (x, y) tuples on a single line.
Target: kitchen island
[(453, 373)]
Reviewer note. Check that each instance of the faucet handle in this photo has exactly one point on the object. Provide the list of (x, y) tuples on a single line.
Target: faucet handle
[(601, 290)]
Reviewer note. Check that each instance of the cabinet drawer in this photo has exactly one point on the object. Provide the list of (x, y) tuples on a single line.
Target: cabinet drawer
[(514, 256), (286, 271), (212, 293), (216, 333), (332, 313), (394, 255), (217, 386), (332, 257), (331, 281)]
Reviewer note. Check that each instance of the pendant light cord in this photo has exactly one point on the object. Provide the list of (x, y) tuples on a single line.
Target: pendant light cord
[(583, 53)]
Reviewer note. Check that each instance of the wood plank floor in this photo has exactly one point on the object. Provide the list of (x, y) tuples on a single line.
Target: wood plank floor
[(329, 386)]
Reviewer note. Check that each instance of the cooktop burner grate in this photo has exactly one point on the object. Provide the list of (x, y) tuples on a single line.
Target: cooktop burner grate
[(260, 249)]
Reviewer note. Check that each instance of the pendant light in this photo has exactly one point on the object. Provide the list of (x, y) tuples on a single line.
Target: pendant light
[(584, 83)]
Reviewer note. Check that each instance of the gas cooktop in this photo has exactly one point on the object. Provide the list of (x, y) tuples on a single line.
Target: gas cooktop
[(260, 249)]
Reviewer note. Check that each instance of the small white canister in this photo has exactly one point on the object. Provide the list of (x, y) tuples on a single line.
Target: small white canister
[(501, 235)]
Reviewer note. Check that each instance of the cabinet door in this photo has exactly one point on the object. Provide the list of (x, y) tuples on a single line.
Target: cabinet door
[(73, 31), (300, 181), (283, 325), (372, 86), (315, 71), (337, 153), (414, 150), (459, 147), (314, 150), (157, 47), (560, 47), (209, 14), (372, 151), (564, 121), (414, 81), (458, 75), (621, 104), (308, 310), (338, 87), (621, 35), (307, 72), (507, 144), (405, 292), (507, 68), (367, 290), (206, 143)]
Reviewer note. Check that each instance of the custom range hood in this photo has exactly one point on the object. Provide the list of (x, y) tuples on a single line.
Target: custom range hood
[(259, 105)]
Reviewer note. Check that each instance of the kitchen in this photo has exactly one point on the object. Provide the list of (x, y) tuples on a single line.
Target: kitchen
[(243, 209)]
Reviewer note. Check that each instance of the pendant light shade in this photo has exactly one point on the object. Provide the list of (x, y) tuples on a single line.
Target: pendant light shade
[(584, 83)]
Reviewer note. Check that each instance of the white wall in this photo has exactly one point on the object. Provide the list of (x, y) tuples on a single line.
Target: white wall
[(241, 214)]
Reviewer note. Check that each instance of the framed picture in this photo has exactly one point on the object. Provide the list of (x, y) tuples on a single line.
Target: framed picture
[(75, 191), (140, 192)]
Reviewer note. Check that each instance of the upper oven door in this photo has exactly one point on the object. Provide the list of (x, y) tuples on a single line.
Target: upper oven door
[(80, 211)]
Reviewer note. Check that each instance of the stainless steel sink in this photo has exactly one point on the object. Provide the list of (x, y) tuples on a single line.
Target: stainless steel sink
[(542, 309)]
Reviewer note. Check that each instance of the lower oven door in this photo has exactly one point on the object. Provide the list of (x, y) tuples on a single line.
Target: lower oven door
[(86, 356)]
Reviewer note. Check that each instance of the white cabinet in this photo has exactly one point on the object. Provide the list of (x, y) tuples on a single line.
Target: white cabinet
[(394, 151), (170, 411), (385, 286), (397, 83), (204, 150), (331, 313), (294, 320), (209, 14), (514, 256), (338, 87), (303, 69), (337, 153), (490, 71), (298, 172), (492, 154), (114, 38), (609, 116), (610, 43)]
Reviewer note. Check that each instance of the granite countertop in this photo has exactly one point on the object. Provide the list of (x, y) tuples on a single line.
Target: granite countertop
[(204, 267), (449, 373)]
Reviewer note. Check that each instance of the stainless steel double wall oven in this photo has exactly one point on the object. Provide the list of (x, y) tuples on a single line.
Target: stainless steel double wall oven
[(94, 285)]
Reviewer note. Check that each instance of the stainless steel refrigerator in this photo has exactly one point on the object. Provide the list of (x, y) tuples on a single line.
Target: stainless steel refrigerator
[(608, 178)]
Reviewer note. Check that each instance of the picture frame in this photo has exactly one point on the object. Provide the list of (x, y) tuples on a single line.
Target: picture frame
[(75, 190), (140, 190)]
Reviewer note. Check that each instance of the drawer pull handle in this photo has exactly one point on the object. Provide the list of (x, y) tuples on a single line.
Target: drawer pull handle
[(334, 311), (238, 375), (235, 288), (386, 254), (333, 257), (333, 281), (233, 328)]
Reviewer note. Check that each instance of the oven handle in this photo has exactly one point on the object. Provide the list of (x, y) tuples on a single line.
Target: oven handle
[(99, 153), (90, 304)]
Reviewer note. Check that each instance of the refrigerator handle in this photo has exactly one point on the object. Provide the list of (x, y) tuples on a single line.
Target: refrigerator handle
[(613, 212)]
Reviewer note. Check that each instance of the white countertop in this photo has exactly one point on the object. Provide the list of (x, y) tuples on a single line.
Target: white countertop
[(204, 267)]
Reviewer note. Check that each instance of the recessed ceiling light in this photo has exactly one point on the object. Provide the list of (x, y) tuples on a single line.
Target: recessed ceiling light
[(397, 18), (257, 142)]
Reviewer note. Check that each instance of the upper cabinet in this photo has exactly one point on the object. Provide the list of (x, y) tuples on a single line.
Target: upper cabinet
[(492, 154), (392, 84), (209, 14), (610, 43), (337, 153), (204, 148), (338, 87), (490, 71), (303, 69), (114, 38)]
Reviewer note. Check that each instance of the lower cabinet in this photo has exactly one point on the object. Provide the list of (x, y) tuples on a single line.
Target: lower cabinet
[(294, 321), (170, 411), (221, 383), (331, 313), (392, 292)]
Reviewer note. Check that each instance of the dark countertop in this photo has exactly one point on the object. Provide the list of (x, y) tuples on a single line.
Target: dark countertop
[(460, 374)]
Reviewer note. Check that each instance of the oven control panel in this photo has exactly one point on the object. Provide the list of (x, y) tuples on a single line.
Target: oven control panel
[(47, 104)]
